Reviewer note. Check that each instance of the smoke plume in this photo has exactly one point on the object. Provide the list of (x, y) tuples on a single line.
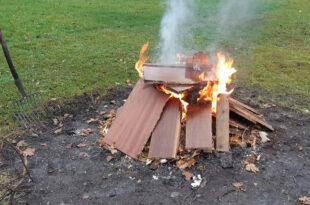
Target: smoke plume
[(175, 29)]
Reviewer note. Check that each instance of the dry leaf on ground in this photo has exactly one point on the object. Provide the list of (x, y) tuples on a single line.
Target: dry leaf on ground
[(81, 145), (263, 135), (139, 181), (85, 197), (101, 142), (304, 200), (250, 159), (43, 144), (86, 132), (29, 152), (67, 115), (91, 120), (58, 131), (239, 185), (55, 121), (187, 175), (251, 168), (21, 143), (83, 154), (183, 164), (109, 158), (53, 99)]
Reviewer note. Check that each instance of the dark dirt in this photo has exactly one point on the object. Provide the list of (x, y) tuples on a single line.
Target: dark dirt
[(64, 175)]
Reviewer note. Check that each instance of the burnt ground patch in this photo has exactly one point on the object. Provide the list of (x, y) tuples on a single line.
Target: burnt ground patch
[(63, 172)]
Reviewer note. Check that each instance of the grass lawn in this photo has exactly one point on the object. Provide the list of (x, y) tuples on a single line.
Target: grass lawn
[(65, 48)]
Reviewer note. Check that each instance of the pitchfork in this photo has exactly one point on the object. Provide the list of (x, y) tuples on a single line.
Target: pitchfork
[(29, 108)]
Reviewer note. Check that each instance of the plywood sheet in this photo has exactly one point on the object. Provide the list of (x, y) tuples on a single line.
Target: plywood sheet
[(137, 119), (199, 127), (166, 135)]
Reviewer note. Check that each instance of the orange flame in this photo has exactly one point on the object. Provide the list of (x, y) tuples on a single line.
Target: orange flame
[(179, 96), (224, 71), (142, 59)]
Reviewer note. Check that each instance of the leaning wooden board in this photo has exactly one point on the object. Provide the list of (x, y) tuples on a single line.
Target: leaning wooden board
[(199, 127), (137, 119), (166, 135)]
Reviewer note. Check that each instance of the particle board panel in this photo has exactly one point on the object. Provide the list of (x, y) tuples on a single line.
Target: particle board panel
[(137, 119), (222, 124), (166, 135), (199, 127)]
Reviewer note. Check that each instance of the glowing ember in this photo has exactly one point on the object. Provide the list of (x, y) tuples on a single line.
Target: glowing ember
[(179, 96), (142, 59)]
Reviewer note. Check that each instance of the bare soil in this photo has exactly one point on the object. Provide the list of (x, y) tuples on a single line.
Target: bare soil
[(64, 175)]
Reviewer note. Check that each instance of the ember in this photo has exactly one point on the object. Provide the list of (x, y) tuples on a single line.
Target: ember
[(195, 87)]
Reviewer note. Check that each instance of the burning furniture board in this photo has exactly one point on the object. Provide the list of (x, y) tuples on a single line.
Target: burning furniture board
[(158, 107)]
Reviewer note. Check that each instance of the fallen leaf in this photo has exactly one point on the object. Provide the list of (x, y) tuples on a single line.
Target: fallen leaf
[(101, 112), (60, 124), (183, 164), (109, 158), (81, 145), (69, 146), (67, 115), (85, 197), (21, 143), (300, 148), (86, 132), (53, 99), (139, 181), (43, 144), (263, 136), (29, 152), (304, 200), (113, 102), (55, 121), (58, 131), (155, 165), (91, 120), (251, 168), (187, 175), (101, 142), (239, 185), (235, 140), (26, 38), (14, 141), (255, 184)]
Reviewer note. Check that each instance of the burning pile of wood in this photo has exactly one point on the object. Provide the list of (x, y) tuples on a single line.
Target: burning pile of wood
[(189, 95)]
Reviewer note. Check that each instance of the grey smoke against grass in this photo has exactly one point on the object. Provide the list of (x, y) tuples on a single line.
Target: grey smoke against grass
[(231, 18), (180, 19), (175, 28)]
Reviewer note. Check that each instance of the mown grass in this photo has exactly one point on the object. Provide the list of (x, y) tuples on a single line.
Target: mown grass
[(73, 47)]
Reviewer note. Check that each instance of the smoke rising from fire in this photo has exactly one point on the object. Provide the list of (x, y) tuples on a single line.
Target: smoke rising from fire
[(175, 29), (231, 18)]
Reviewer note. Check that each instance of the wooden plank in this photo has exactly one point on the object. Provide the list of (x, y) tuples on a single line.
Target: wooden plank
[(166, 135), (249, 115), (222, 124), (236, 103), (172, 75), (137, 119), (199, 127)]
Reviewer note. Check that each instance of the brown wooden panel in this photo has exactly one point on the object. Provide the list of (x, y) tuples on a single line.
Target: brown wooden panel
[(172, 75), (137, 119), (199, 127), (166, 135), (222, 124)]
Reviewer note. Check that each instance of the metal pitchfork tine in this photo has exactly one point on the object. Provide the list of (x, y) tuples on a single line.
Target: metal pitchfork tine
[(29, 108)]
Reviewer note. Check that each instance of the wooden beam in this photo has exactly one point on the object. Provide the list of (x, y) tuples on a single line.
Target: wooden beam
[(166, 135), (137, 119), (199, 127), (222, 124), (172, 75)]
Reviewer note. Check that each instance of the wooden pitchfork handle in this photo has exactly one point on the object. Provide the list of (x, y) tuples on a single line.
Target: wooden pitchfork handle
[(17, 81)]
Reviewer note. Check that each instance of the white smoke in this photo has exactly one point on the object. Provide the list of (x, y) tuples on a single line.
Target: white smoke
[(175, 29)]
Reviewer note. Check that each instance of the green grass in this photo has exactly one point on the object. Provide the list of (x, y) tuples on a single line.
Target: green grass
[(78, 46)]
